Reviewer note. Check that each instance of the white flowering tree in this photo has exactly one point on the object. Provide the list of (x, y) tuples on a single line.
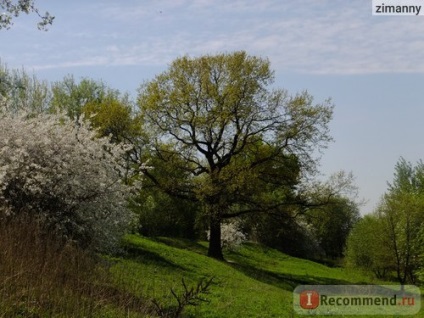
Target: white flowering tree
[(59, 173)]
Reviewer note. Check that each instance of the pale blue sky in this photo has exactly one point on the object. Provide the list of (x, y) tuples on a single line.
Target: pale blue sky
[(371, 66)]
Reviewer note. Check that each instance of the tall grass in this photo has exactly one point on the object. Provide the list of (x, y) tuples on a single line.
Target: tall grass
[(41, 277)]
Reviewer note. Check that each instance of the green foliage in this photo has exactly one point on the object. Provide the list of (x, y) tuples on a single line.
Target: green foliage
[(161, 213), (368, 247), (112, 117), (164, 215), (332, 224), (392, 238), (21, 92), (71, 97), (288, 234), (108, 111), (403, 217), (214, 119)]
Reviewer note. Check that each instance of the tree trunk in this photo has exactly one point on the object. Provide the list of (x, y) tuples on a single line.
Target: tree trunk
[(215, 248)]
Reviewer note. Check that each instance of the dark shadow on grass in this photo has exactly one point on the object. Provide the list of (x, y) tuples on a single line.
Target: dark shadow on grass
[(333, 263), (182, 243), (145, 256), (286, 281)]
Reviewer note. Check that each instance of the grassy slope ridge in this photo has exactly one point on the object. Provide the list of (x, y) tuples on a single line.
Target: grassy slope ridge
[(254, 282)]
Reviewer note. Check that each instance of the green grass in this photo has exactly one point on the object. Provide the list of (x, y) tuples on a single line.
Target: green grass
[(38, 280), (253, 282)]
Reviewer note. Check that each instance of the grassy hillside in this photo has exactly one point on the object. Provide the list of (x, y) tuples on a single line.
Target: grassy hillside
[(39, 280), (254, 282)]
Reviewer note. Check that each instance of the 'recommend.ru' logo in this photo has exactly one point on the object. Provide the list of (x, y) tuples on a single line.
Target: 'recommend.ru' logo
[(309, 299)]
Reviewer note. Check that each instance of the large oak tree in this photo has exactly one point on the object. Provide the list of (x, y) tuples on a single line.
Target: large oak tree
[(241, 144)]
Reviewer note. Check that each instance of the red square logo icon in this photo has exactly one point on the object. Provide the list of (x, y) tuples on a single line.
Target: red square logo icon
[(309, 299)]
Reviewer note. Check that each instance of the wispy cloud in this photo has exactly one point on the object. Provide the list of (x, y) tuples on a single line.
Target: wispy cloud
[(307, 36)]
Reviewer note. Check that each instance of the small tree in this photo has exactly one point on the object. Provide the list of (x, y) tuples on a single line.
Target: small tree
[(392, 237), (57, 171), (368, 247), (402, 215)]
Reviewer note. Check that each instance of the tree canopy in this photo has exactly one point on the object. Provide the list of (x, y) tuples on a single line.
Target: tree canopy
[(242, 144)]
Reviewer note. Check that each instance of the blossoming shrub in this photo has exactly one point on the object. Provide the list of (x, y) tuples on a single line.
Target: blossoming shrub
[(231, 235), (57, 171)]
